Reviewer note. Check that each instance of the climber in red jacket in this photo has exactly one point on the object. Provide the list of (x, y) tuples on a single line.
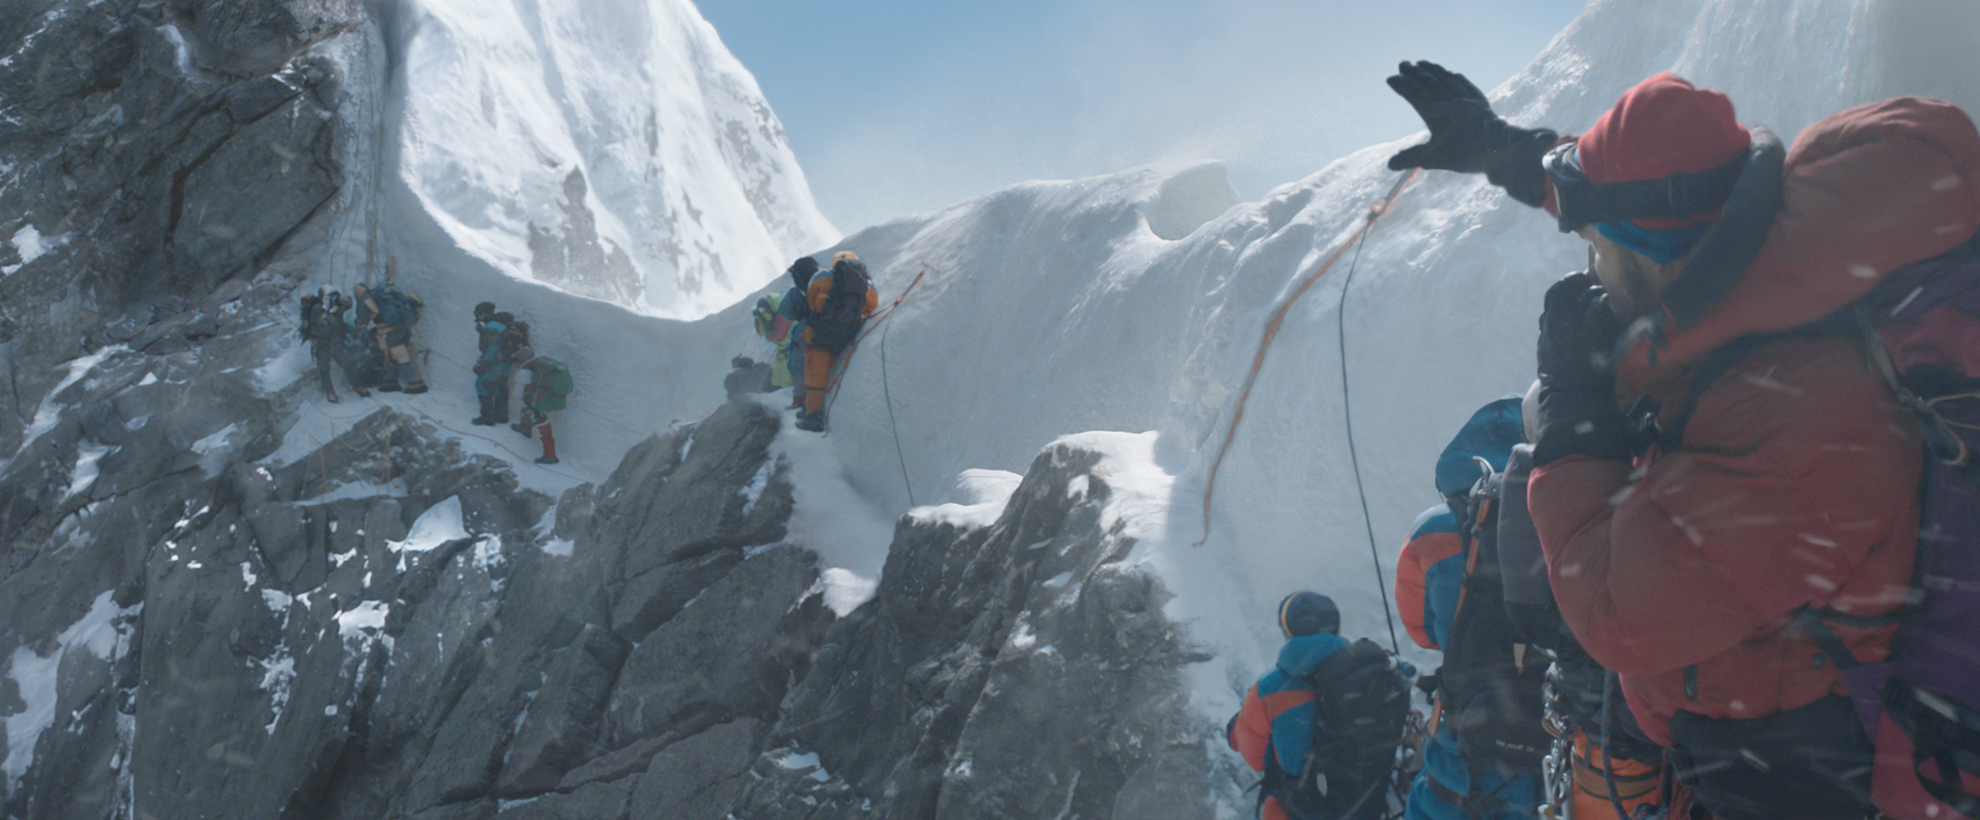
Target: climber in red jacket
[(1713, 457)]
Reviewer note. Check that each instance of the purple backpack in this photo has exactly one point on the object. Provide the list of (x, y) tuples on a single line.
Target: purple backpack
[(1922, 704)]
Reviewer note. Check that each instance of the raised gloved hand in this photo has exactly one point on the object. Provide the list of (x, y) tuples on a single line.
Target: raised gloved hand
[(1465, 136), (1578, 413)]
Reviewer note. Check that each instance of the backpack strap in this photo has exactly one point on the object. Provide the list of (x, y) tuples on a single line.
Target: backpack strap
[(1475, 804), (1943, 734)]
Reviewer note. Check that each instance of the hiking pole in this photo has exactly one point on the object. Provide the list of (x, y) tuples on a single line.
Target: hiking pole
[(1347, 414)]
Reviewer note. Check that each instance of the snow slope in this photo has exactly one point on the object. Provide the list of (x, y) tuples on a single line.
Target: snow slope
[(613, 148), (1134, 302)]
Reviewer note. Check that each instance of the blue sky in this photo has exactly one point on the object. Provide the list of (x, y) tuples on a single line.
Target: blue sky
[(898, 107)]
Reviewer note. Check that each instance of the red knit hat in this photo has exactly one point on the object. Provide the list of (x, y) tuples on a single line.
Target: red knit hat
[(1663, 126)]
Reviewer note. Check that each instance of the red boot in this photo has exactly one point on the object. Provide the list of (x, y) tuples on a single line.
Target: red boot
[(549, 445)]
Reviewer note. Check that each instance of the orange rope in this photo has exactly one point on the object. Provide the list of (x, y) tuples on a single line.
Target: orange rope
[(1375, 213)]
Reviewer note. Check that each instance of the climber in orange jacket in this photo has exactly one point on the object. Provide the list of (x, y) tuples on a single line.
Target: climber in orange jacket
[(841, 297)]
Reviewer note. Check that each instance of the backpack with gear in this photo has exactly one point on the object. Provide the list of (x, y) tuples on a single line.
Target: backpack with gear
[(1492, 678), (1920, 705), (312, 306), (396, 308), (834, 326), (1360, 708), (550, 384)]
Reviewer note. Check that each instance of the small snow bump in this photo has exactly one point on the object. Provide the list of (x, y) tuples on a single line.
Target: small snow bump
[(330, 711), (1945, 183), (795, 761), (1059, 580)]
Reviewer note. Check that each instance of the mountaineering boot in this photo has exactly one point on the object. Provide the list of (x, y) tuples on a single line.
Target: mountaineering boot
[(520, 428), (332, 396), (811, 422), (415, 388), (487, 417), (549, 446)]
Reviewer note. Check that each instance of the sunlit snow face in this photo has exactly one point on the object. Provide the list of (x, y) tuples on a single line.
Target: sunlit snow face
[(1632, 280)]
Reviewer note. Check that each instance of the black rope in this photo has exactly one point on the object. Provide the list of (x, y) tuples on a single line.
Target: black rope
[(1347, 415), (886, 390)]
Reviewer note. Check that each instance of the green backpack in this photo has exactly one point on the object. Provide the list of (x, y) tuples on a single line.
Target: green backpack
[(550, 383)]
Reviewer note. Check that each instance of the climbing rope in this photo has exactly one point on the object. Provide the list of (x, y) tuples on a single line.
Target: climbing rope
[(1271, 332), (874, 320), (888, 391), (1347, 413), (1375, 213)]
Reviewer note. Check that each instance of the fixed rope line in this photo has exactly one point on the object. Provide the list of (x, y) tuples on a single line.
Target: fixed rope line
[(1380, 209), (1347, 412), (842, 363), (888, 392)]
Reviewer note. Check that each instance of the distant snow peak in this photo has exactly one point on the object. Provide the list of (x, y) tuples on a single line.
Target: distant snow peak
[(613, 150)]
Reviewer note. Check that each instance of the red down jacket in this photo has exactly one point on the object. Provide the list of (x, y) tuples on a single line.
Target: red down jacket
[(1796, 480)]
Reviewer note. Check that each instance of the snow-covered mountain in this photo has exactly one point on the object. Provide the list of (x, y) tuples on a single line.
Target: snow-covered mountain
[(611, 148), (174, 483)]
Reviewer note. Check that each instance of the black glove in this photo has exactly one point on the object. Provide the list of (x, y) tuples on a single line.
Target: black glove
[(1578, 413), (1465, 136)]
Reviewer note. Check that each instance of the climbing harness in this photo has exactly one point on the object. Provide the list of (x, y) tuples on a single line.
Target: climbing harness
[(1375, 213)]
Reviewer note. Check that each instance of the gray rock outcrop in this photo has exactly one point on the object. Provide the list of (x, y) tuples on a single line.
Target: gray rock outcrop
[(1018, 670)]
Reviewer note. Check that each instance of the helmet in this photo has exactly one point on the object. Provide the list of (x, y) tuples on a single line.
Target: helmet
[(1308, 613)]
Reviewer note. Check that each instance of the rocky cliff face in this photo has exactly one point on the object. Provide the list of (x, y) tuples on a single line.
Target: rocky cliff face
[(1014, 670)]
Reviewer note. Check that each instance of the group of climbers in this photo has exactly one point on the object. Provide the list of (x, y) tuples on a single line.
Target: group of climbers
[(812, 324), (1722, 560), (371, 345), (372, 348), (506, 353)]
